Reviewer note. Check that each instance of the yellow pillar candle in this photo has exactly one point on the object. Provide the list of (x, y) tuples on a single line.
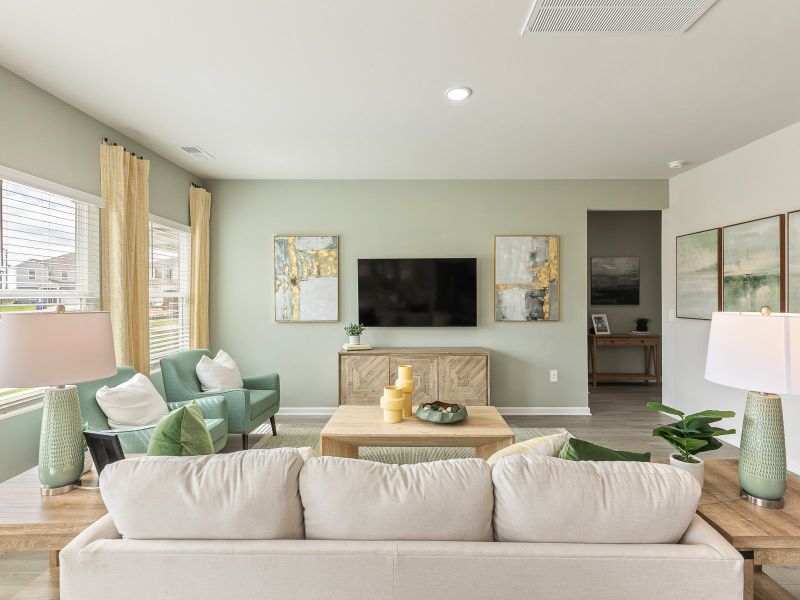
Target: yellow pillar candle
[(405, 381), (392, 404)]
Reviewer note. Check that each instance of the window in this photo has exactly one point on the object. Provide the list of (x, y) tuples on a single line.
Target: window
[(43, 233), (170, 245)]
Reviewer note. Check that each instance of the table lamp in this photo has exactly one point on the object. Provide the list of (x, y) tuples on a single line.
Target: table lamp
[(758, 352), (53, 349)]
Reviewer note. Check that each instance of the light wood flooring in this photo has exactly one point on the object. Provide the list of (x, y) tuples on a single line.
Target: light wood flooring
[(619, 420)]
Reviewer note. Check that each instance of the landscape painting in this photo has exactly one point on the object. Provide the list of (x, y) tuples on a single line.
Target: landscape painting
[(793, 228), (697, 274), (527, 279), (615, 280), (306, 278), (752, 265)]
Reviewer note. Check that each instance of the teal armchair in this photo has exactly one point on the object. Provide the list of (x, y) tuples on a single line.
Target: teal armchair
[(248, 407), (135, 441)]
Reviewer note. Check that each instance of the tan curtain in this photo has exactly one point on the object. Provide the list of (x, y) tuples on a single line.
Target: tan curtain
[(124, 248), (200, 213)]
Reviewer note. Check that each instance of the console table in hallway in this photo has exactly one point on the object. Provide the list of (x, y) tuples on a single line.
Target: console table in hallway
[(649, 342)]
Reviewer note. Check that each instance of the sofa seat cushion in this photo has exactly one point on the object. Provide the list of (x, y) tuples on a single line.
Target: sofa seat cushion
[(242, 495), (544, 499), (350, 499), (261, 401)]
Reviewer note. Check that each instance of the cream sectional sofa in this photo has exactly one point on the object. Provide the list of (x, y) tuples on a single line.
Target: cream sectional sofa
[(269, 524)]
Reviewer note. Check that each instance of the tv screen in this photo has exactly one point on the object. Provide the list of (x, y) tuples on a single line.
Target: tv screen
[(417, 292)]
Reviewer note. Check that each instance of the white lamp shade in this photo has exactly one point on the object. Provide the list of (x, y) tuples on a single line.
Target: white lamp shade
[(754, 352), (46, 348)]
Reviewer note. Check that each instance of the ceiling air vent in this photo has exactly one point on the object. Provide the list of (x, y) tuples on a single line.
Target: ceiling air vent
[(614, 16), (196, 152)]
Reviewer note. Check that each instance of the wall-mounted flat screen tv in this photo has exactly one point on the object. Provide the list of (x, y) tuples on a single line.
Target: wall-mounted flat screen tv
[(417, 292)]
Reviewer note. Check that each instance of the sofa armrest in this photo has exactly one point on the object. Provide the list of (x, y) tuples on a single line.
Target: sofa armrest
[(700, 532), (213, 407), (268, 381)]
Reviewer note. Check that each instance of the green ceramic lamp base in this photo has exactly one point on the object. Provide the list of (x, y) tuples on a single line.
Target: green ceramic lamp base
[(61, 442), (762, 454)]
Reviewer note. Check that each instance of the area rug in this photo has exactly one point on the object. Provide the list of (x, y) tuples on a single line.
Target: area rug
[(290, 436)]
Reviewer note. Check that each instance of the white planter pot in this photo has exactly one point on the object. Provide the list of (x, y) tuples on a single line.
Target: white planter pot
[(355, 340), (696, 470)]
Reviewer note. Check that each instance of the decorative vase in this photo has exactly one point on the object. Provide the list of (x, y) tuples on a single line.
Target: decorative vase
[(61, 455), (696, 470), (355, 340), (392, 404), (762, 453), (405, 381)]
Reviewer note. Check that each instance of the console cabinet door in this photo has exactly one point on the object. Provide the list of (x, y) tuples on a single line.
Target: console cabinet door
[(424, 375), (363, 378), (463, 379)]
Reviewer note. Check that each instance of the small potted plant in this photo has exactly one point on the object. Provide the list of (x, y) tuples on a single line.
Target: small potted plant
[(641, 323), (691, 435), (354, 330)]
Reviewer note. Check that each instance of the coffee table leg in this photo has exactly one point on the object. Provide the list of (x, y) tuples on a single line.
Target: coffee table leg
[(487, 450), (331, 447)]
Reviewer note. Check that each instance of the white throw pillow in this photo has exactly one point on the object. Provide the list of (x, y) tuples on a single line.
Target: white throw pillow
[(133, 403), (548, 445), (219, 374)]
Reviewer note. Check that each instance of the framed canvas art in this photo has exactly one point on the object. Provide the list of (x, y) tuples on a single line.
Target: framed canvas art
[(526, 278), (793, 267), (698, 279), (753, 266), (306, 278), (615, 280)]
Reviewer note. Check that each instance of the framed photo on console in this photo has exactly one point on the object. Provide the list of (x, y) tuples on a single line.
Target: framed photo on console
[(600, 324)]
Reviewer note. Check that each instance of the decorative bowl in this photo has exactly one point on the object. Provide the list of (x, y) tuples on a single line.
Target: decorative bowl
[(442, 412)]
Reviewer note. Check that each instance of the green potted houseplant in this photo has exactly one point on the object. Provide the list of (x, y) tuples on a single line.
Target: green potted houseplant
[(641, 323), (354, 330), (690, 435)]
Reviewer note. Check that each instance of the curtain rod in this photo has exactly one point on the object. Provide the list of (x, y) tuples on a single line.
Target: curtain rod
[(105, 141)]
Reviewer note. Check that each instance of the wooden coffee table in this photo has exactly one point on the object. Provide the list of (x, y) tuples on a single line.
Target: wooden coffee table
[(764, 536), (353, 426)]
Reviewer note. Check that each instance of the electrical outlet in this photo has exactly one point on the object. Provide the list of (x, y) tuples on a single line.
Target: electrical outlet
[(553, 376)]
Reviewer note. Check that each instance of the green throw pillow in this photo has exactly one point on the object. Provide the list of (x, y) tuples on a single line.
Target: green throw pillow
[(575, 449), (182, 432)]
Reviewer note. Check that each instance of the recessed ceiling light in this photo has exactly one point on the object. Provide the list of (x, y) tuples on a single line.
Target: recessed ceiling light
[(676, 164), (459, 93)]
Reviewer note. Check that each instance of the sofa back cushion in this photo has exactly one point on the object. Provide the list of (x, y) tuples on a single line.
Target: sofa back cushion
[(243, 495), (543, 499), (349, 499)]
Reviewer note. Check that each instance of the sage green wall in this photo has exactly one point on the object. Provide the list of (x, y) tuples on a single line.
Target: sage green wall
[(627, 233), (407, 219), (43, 136)]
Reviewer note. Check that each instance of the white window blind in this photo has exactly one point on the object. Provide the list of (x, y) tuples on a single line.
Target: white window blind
[(49, 255), (169, 291)]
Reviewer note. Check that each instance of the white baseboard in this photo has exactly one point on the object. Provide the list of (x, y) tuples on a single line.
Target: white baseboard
[(541, 411), (517, 411)]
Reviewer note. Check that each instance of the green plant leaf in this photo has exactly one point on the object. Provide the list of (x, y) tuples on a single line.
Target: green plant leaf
[(664, 408)]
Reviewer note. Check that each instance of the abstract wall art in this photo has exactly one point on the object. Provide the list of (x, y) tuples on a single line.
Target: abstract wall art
[(753, 265), (793, 269), (306, 278), (697, 274), (526, 278), (615, 280)]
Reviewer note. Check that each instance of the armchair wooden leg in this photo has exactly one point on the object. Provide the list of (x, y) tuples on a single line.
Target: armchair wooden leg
[(245, 441), (272, 422)]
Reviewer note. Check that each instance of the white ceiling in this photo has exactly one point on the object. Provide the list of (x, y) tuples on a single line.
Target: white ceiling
[(354, 88)]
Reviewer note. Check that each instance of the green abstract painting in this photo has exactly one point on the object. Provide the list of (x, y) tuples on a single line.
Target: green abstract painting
[(697, 274), (793, 228), (752, 265)]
